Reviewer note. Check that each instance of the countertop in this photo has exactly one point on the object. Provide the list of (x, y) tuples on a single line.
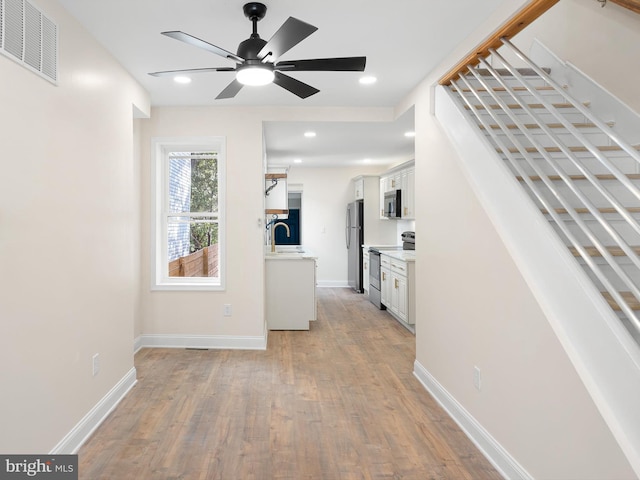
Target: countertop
[(404, 255), (289, 252), (383, 247)]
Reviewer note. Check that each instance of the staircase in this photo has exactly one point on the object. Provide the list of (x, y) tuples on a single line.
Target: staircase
[(580, 175), (582, 179)]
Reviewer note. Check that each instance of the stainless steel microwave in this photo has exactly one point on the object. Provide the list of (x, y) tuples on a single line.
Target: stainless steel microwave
[(393, 204)]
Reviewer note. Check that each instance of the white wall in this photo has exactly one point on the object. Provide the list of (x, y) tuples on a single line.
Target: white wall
[(68, 230), (474, 308)]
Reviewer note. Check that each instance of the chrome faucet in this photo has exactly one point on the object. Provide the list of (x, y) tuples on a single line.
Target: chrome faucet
[(273, 234)]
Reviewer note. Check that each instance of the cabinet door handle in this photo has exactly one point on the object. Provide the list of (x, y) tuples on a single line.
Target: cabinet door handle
[(396, 283), (384, 277)]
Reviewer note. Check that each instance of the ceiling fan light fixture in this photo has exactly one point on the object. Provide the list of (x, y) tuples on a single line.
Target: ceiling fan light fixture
[(255, 76)]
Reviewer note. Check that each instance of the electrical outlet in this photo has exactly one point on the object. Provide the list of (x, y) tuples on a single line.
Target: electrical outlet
[(96, 364), (477, 379), (227, 309)]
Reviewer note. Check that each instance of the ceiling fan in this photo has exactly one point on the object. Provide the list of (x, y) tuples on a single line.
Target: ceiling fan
[(257, 60)]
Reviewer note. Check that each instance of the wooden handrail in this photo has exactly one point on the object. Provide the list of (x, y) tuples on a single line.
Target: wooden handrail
[(511, 27)]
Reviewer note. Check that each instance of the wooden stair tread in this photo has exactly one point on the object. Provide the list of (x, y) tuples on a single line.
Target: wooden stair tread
[(585, 210), (603, 176), (594, 252), (602, 148), (503, 72), (628, 297)]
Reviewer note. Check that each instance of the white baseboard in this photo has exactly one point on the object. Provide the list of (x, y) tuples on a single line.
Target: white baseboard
[(72, 442), (202, 341), (332, 284), (137, 344), (490, 448)]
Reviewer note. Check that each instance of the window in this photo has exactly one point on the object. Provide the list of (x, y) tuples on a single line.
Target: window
[(188, 204)]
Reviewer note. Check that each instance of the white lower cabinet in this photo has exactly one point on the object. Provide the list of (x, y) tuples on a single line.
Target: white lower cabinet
[(365, 270), (397, 290), (399, 296), (385, 280)]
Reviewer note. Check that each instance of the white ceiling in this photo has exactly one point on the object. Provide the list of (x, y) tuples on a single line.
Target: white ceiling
[(402, 40)]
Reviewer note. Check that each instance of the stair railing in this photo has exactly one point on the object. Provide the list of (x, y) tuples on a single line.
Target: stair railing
[(524, 151), (613, 136)]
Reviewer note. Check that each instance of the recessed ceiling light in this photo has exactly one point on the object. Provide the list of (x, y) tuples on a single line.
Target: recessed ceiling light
[(366, 160), (369, 80), (297, 160), (410, 134), (309, 134), (182, 79)]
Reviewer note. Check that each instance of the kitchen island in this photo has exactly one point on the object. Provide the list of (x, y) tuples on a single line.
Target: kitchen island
[(290, 288)]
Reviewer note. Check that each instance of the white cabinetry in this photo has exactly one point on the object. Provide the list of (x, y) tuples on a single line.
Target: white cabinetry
[(290, 287), (358, 187), (397, 289), (385, 280), (408, 193), (383, 185), (401, 178), (365, 270)]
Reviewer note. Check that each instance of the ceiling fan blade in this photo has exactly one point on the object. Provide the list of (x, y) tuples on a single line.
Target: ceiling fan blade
[(196, 42), (346, 64), (230, 90), (170, 73), (294, 86), (292, 32)]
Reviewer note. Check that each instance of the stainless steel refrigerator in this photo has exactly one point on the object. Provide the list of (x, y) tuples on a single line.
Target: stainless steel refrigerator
[(355, 239)]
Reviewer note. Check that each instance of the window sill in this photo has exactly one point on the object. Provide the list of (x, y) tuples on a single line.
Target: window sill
[(187, 287)]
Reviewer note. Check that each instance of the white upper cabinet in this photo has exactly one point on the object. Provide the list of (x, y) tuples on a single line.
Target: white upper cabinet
[(358, 187), (408, 193), (402, 178)]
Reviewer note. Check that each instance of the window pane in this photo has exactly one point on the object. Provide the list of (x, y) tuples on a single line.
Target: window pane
[(193, 182), (200, 257), (179, 184)]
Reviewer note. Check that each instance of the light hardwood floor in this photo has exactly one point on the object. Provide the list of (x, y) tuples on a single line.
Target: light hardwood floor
[(337, 402)]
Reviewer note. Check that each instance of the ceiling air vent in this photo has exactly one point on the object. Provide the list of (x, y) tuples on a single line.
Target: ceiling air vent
[(29, 37)]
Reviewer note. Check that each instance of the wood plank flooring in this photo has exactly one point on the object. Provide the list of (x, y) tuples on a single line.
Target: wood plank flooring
[(337, 402)]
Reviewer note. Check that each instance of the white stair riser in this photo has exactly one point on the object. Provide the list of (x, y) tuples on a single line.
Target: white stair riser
[(617, 283), (585, 160), (595, 137), (623, 195), (511, 81), (628, 234), (505, 96), (541, 116)]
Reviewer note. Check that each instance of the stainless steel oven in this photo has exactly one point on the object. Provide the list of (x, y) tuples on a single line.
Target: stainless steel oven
[(374, 278)]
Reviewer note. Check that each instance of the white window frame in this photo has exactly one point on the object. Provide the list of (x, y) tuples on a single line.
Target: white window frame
[(161, 147)]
